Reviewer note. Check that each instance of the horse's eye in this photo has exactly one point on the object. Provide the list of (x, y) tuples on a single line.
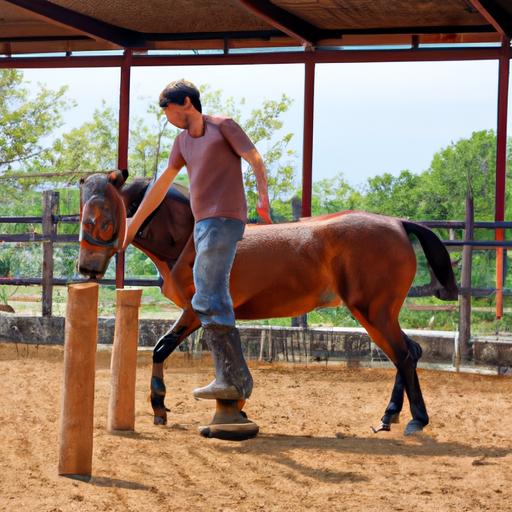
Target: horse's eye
[(105, 225)]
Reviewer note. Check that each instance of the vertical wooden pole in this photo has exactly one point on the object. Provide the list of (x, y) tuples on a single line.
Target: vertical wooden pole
[(77, 411), (50, 209), (501, 166), (307, 147), (463, 350), (302, 320), (124, 133), (123, 367)]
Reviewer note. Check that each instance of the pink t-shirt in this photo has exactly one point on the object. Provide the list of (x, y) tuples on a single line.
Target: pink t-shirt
[(214, 168)]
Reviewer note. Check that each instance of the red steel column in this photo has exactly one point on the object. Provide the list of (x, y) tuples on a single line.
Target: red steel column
[(501, 164), (307, 151), (122, 150)]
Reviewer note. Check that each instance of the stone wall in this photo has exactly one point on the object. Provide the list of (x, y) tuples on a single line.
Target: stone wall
[(292, 344)]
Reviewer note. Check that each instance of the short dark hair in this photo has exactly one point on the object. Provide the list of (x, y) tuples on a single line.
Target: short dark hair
[(177, 91)]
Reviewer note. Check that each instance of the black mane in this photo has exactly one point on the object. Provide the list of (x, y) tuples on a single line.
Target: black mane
[(134, 194)]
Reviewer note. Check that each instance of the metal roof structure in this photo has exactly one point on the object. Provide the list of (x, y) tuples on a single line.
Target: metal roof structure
[(127, 33), (38, 26)]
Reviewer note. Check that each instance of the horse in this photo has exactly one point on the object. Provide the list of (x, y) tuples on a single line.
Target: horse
[(362, 260)]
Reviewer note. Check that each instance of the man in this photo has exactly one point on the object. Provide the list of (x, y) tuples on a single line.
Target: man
[(211, 148)]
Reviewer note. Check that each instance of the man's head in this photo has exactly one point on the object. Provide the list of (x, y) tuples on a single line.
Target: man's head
[(180, 100), (176, 92)]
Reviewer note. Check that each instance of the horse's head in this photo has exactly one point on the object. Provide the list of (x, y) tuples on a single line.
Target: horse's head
[(102, 221)]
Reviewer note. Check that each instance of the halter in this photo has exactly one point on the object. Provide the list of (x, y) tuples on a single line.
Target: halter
[(94, 241)]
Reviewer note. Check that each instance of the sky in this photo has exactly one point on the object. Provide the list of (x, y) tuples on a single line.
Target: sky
[(369, 118)]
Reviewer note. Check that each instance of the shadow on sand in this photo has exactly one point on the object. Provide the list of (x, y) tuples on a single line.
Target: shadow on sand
[(279, 448), (103, 481)]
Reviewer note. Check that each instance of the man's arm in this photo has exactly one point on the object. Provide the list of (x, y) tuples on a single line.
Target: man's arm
[(253, 158), (154, 196)]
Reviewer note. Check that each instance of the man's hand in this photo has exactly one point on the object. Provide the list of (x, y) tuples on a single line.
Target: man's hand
[(129, 234), (263, 210)]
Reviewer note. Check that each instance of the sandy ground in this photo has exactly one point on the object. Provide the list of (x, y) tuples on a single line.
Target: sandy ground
[(315, 450)]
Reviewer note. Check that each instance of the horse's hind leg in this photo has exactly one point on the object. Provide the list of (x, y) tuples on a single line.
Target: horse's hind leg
[(407, 370), (404, 353), (396, 402), (185, 325)]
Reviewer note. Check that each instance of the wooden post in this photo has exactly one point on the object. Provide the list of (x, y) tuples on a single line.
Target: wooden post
[(124, 134), (50, 209), (123, 367), (302, 320), (77, 411), (262, 344), (501, 166), (307, 145), (462, 352)]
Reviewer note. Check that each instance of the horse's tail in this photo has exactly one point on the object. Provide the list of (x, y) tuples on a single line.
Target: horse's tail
[(438, 259)]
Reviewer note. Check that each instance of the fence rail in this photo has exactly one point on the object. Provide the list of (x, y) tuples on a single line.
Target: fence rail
[(51, 219)]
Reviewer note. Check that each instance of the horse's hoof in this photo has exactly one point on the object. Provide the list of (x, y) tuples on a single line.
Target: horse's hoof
[(230, 431), (160, 416), (413, 427), (383, 427), (160, 420), (395, 418)]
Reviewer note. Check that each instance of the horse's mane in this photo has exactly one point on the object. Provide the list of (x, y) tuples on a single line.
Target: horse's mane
[(133, 194)]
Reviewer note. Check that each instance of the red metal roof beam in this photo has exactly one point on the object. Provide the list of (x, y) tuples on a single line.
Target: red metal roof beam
[(495, 14), (91, 26), (292, 25)]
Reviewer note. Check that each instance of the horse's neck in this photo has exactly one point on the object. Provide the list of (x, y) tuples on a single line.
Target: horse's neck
[(133, 195), (169, 226)]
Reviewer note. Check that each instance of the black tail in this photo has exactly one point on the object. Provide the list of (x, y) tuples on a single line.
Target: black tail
[(438, 259)]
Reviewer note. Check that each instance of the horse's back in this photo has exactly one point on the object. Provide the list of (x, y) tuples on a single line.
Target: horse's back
[(313, 262)]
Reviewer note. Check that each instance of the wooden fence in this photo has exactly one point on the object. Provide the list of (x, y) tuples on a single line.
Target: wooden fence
[(49, 236)]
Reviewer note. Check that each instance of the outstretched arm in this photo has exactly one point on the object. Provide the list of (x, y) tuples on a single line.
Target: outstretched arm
[(253, 158), (154, 196)]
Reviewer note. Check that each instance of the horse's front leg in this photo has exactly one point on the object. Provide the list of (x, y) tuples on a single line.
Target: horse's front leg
[(186, 324), (396, 402)]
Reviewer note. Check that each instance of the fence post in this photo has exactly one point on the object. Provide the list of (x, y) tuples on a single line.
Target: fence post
[(464, 337), (50, 210), (302, 320)]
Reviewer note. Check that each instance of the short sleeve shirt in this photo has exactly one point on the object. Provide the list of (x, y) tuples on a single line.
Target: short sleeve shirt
[(214, 168)]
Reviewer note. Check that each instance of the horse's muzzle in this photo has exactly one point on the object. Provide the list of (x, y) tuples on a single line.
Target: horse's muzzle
[(91, 274)]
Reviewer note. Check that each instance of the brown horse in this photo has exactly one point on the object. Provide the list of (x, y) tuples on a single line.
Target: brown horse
[(361, 260)]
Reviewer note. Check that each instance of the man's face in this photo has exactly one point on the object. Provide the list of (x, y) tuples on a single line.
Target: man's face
[(177, 115)]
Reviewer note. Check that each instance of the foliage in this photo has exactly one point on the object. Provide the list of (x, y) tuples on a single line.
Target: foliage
[(334, 195), (439, 192), (92, 147), (394, 195), (468, 162), (28, 115)]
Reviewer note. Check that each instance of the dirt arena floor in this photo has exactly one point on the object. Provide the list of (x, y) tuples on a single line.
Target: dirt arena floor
[(315, 450)]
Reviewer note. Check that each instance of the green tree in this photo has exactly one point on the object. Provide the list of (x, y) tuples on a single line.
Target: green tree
[(27, 117), (444, 185), (92, 147), (332, 195), (393, 195)]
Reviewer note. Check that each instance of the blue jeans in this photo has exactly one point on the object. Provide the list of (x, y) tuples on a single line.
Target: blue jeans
[(215, 241)]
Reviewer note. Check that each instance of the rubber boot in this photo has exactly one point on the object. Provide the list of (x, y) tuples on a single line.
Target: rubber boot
[(233, 381)]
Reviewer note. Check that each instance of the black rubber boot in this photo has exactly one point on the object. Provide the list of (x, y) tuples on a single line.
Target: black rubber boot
[(233, 380)]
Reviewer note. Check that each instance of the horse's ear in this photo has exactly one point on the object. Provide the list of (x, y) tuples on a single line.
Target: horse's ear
[(118, 178)]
